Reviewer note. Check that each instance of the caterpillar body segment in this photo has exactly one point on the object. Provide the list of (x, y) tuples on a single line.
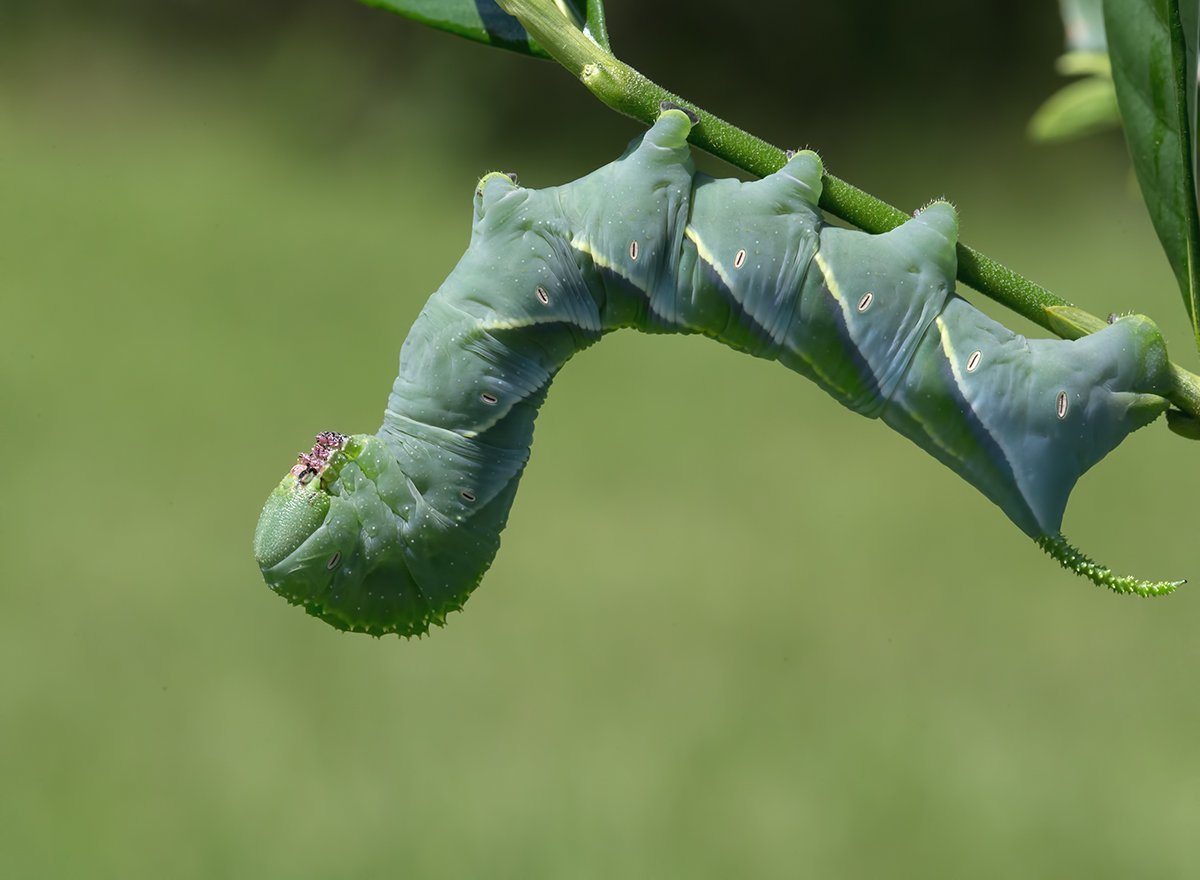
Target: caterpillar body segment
[(402, 524)]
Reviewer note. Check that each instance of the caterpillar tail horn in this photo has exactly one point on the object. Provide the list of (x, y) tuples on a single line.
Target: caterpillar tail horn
[(1072, 559)]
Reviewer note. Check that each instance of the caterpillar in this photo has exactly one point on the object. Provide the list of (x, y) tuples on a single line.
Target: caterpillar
[(389, 532)]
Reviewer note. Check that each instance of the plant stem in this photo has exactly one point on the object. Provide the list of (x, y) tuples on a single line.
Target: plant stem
[(627, 91)]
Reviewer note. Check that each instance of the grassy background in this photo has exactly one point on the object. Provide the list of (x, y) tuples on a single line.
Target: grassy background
[(733, 629)]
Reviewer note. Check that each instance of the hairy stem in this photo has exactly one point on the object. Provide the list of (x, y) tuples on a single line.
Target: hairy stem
[(629, 92)]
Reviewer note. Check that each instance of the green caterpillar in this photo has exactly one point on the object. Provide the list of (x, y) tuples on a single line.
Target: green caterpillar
[(389, 532)]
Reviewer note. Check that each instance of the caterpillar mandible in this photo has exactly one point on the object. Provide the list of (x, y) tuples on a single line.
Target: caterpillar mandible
[(388, 532)]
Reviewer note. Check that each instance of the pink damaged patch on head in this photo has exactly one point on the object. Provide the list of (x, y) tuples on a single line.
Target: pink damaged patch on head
[(313, 463)]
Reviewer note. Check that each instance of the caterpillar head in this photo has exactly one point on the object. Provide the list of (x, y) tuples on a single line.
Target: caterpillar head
[(335, 536)]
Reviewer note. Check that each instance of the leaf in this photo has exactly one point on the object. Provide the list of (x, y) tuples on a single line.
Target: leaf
[(1070, 322), (480, 20), (1156, 86), (1081, 63), (1189, 16), (596, 25), (485, 22), (1076, 109), (1088, 106), (1083, 23)]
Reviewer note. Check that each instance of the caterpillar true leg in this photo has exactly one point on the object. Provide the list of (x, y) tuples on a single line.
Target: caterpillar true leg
[(389, 532)]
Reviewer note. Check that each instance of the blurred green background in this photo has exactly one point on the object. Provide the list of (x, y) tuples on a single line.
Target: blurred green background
[(733, 630)]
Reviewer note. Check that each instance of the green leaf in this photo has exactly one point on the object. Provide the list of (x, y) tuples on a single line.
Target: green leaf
[(485, 22), (1156, 86), (1075, 110), (482, 21), (1070, 322), (1081, 63), (596, 24), (1189, 16), (1083, 107)]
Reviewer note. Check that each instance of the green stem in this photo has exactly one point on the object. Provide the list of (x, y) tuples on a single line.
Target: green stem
[(629, 92)]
